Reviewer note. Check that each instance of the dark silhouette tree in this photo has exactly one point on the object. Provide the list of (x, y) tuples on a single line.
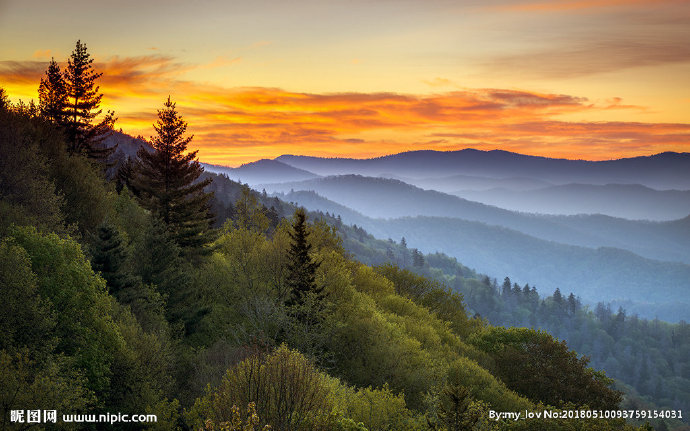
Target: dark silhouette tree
[(83, 101), (301, 278), (4, 102), (167, 184), (52, 95)]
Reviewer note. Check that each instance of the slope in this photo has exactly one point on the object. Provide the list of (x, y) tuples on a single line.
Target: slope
[(602, 274)]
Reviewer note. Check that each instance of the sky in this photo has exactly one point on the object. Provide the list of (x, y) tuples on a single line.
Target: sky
[(577, 79)]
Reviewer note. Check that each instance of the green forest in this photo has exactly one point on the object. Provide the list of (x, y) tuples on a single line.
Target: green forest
[(145, 285)]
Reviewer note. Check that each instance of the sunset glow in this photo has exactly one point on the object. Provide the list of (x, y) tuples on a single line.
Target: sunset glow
[(573, 79)]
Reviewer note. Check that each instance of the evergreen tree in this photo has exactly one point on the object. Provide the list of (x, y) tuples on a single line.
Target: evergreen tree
[(506, 288), (301, 277), (572, 304), (52, 95), (125, 175), (109, 256), (167, 184), (83, 100), (453, 409), (417, 258)]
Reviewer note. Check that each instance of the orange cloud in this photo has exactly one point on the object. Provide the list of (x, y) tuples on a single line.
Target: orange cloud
[(237, 125)]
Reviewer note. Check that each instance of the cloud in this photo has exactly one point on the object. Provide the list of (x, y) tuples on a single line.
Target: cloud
[(588, 57), (22, 72), (614, 35), (237, 125)]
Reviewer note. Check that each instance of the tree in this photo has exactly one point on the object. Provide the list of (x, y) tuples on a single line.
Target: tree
[(417, 258), (4, 102), (83, 100), (454, 408), (534, 364), (305, 296), (166, 181), (124, 175), (506, 288), (301, 277), (27, 192), (287, 389), (109, 256), (52, 95)]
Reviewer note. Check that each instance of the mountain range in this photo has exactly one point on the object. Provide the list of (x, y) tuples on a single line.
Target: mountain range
[(660, 171), (569, 231)]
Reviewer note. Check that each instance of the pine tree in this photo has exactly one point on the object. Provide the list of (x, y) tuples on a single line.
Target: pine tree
[(125, 175), (52, 95), (454, 408), (167, 184), (109, 256), (301, 277), (83, 100), (417, 258), (506, 288)]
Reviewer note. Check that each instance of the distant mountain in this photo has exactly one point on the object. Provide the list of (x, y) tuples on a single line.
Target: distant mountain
[(631, 201), (315, 202), (262, 171), (661, 171), (386, 198), (127, 146), (455, 183), (656, 288), (595, 274)]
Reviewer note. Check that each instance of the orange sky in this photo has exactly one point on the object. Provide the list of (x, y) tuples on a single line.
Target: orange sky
[(573, 79)]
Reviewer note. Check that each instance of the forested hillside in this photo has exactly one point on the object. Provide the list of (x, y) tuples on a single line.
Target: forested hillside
[(601, 274), (123, 294), (647, 357)]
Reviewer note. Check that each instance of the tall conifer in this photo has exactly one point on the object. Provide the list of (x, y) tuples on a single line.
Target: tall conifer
[(52, 95), (167, 183), (301, 277), (83, 101)]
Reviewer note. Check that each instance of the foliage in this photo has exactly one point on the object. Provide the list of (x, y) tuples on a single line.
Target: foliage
[(166, 184), (84, 326), (305, 296), (534, 364), (235, 423), (28, 195), (51, 384), (288, 392)]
